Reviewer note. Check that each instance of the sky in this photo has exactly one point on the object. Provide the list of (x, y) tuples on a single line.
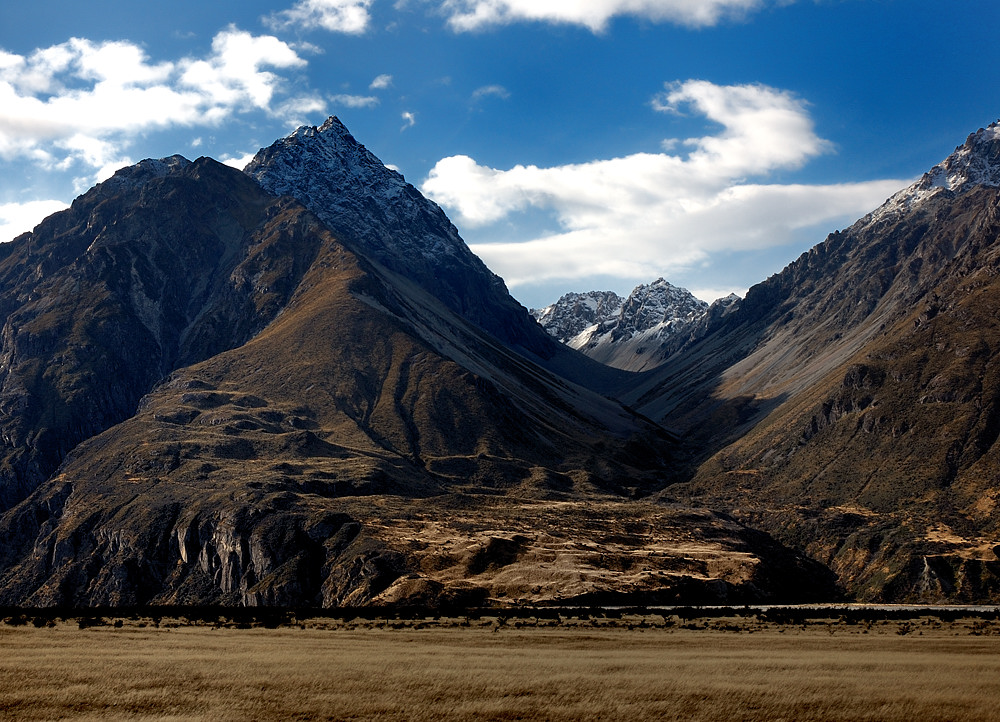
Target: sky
[(576, 144)]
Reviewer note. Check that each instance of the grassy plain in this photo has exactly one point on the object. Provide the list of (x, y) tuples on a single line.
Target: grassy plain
[(585, 669)]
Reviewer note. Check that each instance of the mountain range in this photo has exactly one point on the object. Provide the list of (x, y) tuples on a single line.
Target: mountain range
[(295, 385), (630, 333)]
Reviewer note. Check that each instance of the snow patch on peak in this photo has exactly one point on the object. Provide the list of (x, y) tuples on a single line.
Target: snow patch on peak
[(974, 163), (137, 175), (377, 214), (659, 306), (333, 124), (355, 194)]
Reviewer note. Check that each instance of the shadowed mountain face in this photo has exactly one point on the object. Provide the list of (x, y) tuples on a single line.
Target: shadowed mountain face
[(849, 404), (219, 401), (97, 305)]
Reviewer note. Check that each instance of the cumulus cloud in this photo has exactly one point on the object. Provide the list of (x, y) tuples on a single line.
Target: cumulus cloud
[(381, 82), (466, 15), (339, 16), (85, 102), (660, 212)]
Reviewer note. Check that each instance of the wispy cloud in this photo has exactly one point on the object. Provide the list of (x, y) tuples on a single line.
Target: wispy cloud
[(354, 101), (339, 16), (497, 91), (381, 82), (409, 119), (466, 15), (660, 212)]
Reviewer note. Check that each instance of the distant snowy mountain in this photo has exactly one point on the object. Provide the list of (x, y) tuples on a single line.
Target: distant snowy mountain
[(575, 313), (624, 333), (657, 309)]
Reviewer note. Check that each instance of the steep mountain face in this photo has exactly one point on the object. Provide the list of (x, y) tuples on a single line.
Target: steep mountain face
[(632, 334), (974, 163), (848, 404), (243, 409)]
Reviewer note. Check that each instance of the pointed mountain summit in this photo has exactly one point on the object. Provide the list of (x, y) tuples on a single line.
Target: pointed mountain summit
[(373, 209), (575, 313)]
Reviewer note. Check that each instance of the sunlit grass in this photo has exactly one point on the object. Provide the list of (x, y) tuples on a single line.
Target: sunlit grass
[(455, 673)]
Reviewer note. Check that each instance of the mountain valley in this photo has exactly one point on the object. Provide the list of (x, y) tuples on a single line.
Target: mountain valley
[(297, 386)]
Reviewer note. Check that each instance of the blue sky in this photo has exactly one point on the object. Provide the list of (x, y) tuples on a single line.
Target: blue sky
[(577, 144)]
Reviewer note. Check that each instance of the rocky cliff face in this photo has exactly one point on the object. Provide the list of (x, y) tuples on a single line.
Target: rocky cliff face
[(98, 305), (576, 313)]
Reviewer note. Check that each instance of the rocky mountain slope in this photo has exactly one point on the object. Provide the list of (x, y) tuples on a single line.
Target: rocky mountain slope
[(97, 306), (211, 393), (848, 404), (209, 397)]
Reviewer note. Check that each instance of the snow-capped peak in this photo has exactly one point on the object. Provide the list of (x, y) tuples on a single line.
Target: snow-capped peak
[(659, 305), (373, 210), (974, 163), (134, 176), (358, 197), (327, 170)]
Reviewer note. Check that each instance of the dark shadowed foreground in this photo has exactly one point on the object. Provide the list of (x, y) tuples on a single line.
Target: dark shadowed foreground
[(649, 667)]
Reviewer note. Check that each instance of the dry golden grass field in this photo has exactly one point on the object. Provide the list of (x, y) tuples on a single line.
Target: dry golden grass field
[(651, 667)]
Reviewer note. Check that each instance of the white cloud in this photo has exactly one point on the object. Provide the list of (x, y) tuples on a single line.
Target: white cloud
[(652, 214), (338, 16), (16, 218), (465, 15), (233, 77), (764, 128), (354, 101), (85, 102), (409, 118), (381, 82)]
